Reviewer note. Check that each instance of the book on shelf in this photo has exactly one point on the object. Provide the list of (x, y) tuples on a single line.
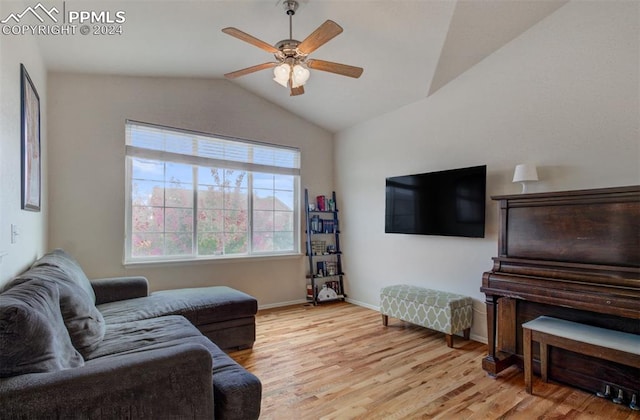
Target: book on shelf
[(329, 226), (321, 203), (326, 268), (335, 285), (321, 268)]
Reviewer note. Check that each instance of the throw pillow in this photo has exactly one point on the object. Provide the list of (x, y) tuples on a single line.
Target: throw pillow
[(84, 322), (62, 260), (33, 337)]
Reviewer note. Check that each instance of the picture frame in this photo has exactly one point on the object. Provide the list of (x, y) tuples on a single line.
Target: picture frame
[(30, 142)]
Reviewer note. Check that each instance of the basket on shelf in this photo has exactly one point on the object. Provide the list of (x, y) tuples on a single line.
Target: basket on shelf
[(318, 247)]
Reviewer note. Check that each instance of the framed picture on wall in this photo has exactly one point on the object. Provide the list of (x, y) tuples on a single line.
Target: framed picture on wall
[(30, 139)]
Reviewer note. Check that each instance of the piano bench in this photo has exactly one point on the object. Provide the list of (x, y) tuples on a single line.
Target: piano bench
[(445, 312), (615, 346)]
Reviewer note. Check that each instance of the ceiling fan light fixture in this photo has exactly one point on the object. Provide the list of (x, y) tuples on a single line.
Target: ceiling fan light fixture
[(281, 74), (291, 68), (300, 76)]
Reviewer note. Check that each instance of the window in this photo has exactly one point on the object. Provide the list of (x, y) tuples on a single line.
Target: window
[(198, 196)]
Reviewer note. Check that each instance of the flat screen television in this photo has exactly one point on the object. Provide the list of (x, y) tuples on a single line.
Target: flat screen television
[(445, 203)]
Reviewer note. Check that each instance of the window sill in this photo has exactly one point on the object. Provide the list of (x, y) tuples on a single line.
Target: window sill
[(215, 260)]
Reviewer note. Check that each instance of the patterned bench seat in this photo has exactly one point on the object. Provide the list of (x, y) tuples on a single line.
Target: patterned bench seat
[(446, 312)]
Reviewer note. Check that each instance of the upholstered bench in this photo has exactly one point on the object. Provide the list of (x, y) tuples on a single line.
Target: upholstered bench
[(446, 312), (616, 346)]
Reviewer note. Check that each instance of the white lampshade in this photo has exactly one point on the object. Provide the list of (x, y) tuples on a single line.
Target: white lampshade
[(300, 76), (281, 74), (525, 173)]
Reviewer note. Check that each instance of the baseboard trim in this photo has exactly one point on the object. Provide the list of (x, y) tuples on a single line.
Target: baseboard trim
[(478, 338), (281, 304), (363, 304), (302, 301), (474, 337)]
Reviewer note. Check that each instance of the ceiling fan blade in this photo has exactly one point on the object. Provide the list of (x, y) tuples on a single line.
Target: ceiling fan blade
[(249, 70), (337, 68), (237, 33), (295, 91), (325, 32)]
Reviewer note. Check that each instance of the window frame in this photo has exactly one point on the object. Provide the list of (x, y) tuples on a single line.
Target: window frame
[(133, 152)]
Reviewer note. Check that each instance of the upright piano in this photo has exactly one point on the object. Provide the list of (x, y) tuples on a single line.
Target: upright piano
[(573, 255)]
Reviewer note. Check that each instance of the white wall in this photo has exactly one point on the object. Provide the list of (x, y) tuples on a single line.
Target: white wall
[(564, 95), (87, 171), (32, 226)]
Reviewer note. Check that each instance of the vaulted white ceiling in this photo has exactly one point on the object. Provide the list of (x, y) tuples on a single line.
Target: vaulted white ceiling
[(408, 49)]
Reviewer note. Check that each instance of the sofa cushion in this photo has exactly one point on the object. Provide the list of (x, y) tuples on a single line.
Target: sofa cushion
[(59, 258), (237, 392), (200, 305), (138, 335), (84, 322), (33, 337)]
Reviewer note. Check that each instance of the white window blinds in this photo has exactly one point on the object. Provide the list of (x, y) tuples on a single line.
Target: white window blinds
[(190, 147)]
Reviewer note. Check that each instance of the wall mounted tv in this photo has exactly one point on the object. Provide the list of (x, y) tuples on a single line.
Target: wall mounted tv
[(445, 203)]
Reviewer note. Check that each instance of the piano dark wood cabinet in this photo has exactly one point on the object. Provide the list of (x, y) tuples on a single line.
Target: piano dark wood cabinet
[(573, 255)]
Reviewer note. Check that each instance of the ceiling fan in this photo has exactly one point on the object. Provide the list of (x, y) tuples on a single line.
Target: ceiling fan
[(292, 66)]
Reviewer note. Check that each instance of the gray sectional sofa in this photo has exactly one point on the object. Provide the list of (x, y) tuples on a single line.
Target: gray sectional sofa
[(107, 349)]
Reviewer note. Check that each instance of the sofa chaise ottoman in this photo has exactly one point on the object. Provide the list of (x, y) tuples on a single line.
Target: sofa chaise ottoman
[(74, 348), (225, 315)]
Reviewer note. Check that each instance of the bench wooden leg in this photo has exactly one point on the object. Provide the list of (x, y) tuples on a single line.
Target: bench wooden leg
[(385, 320), (544, 360), (526, 349), (465, 333)]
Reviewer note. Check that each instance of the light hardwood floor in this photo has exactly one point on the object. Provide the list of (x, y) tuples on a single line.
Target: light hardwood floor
[(337, 361)]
